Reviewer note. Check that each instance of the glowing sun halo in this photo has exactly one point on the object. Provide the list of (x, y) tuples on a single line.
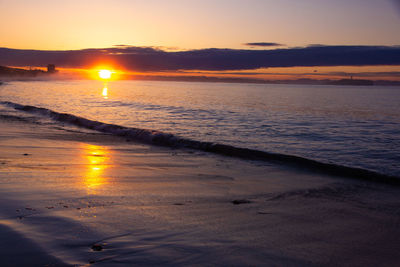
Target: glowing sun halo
[(105, 74)]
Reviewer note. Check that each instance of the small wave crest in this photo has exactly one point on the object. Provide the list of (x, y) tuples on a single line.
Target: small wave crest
[(166, 139)]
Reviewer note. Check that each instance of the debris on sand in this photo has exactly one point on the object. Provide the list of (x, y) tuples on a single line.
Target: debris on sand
[(241, 201), (97, 247)]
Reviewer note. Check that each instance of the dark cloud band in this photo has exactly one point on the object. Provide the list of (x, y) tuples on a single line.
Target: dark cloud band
[(154, 59), (264, 44)]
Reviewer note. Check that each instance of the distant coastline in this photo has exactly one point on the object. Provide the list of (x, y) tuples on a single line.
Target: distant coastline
[(10, 73), (19, 73), (354, 82)]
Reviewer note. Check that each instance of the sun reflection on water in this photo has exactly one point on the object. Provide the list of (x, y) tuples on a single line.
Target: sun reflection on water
[(105, 91), (97, 160)]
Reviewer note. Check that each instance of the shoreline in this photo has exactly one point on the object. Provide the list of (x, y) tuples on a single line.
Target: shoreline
[(68, 192)]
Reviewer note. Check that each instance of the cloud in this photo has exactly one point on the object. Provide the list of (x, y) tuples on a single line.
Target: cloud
[(264, 44), (213, 59)]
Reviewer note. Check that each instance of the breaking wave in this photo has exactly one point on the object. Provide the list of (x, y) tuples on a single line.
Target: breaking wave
[(166, 139)]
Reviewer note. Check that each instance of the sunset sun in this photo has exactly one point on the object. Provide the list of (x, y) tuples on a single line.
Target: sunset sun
[(105, 74)]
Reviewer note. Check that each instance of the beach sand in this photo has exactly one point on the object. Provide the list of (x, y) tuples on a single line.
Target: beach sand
[(74, 198)]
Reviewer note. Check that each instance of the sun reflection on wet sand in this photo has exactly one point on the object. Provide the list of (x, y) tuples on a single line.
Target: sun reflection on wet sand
[(97, 159)]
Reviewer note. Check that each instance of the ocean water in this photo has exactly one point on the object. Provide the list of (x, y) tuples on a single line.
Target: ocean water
[(352, 126)]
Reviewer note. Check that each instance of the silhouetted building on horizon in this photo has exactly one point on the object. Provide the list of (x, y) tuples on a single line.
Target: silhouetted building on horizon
[(51, 68)]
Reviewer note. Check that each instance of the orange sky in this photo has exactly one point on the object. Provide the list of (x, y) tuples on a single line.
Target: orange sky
[(76, 24), (180, 25)]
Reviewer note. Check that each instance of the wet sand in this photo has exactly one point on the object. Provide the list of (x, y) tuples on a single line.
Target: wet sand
[(71, 198)]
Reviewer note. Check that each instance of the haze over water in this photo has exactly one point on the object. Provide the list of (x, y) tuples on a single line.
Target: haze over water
[(347, 125)]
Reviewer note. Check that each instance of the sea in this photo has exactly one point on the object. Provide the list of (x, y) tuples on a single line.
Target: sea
[(350, 127)]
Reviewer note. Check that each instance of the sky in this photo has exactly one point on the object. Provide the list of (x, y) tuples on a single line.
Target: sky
[(185, 25)]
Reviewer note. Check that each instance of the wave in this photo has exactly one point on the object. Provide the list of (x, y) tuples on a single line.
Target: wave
[(166, 139)]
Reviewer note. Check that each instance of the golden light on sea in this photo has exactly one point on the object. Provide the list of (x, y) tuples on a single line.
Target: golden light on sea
[(105, 92)]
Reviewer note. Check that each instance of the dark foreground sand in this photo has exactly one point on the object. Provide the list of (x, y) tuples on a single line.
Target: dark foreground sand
[(69, 198)]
